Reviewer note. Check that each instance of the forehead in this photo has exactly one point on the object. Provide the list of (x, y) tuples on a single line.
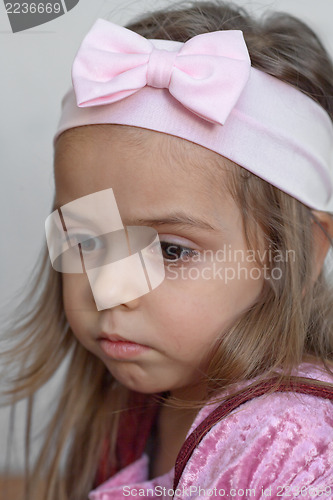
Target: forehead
[(139, 165)]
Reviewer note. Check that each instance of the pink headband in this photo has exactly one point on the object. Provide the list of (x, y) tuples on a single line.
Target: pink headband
[(205, 91)]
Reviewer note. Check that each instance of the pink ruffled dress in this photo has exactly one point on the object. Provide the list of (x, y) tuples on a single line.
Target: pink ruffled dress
[(274, 446)]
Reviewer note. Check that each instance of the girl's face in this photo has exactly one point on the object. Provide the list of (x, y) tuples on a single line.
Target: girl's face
[(179, 189)]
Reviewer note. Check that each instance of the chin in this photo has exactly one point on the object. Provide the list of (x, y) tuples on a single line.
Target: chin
[(144, 385)]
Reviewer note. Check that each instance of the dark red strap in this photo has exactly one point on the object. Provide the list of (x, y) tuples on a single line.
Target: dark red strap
[(306, 387), (134, 429)]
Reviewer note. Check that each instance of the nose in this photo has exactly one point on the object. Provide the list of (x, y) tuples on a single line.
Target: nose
[(118, 282)]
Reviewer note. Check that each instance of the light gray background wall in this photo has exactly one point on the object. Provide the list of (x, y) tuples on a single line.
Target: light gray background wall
[(35, 73)]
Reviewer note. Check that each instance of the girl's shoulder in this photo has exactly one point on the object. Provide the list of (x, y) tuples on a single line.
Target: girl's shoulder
[(277, 441), (305, 370)]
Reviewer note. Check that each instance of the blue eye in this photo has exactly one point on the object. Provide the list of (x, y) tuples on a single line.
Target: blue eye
[(88, 245), (172, 252)]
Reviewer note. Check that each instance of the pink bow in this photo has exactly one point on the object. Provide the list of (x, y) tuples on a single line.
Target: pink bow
[(206, 74)]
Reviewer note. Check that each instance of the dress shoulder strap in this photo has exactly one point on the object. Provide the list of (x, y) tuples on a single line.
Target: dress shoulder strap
[(306, 386)]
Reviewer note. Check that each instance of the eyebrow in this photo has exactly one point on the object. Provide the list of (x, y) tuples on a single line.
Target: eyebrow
[(176, 219), (180, 219)]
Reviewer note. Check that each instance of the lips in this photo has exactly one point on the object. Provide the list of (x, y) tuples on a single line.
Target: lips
[(119, 348), (113, 337)]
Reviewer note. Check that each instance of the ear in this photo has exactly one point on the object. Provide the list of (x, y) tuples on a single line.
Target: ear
[(322, 223)]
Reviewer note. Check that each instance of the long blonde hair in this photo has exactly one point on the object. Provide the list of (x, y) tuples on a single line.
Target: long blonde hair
[(291, 321)]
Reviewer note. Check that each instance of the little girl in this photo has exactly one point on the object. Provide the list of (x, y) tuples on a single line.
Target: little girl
[(192, 219)]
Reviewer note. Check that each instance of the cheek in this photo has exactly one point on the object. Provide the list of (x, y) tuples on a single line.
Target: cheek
[(201, 309), (72, 291), (77, 298), (187, 315)]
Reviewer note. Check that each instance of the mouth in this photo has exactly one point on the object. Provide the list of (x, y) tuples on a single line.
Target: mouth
[(117, 347)]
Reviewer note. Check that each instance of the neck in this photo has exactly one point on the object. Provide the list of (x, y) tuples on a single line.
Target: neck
[(173, 426)]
